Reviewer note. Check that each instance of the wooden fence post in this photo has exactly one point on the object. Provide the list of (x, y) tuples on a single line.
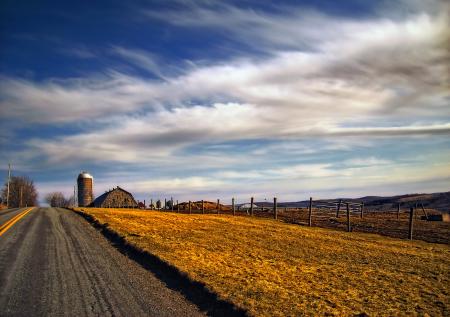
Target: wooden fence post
[(338, 208), (203, 206), (251, 206), (411, 220), (415, 210), (275, 212), (348, 219), (398, 211), (171, 203), (165, 203), (151, 203), (362, 209), (310, 212), (178, 206), (190, 207), (218, 206), (233, 206)]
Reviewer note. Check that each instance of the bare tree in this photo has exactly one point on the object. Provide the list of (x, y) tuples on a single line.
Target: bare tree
[(22, 192), (57, 199), (71, 201)]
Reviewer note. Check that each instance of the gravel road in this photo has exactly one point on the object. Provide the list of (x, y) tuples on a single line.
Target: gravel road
[(53, 263)]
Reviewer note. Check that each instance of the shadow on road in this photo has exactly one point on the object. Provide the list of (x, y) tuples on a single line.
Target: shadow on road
[(194, 291)]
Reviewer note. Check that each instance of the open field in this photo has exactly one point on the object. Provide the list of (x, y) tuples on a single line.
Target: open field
[(380, 222), (272, 268)]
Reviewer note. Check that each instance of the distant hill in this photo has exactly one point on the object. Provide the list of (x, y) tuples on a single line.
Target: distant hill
[(438, 201)]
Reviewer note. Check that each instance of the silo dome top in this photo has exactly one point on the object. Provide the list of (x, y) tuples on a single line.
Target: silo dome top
[(85, 175)]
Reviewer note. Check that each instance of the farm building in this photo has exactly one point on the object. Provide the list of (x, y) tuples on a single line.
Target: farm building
[(115, 198), (247, 206)]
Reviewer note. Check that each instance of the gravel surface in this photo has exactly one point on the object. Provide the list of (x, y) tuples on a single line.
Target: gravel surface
[(53, 263)]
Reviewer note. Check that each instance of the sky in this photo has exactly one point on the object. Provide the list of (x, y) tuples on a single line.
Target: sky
[(220, 99)]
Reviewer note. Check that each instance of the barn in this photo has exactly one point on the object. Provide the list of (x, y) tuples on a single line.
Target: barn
[(115, 198)]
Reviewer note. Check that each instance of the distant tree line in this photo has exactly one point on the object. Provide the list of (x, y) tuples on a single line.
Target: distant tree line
[(57, 199), (22, 192)]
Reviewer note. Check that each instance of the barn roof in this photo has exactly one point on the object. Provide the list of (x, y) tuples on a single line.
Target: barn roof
[(100, 199)]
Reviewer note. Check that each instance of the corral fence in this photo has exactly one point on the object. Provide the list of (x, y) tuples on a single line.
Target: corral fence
[(341, 213)]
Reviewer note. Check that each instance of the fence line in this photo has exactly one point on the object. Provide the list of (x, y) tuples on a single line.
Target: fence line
[(267, 209)]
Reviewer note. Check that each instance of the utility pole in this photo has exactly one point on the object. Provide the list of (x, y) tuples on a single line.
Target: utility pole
[(20, 203), (74, 199), (9, 180)]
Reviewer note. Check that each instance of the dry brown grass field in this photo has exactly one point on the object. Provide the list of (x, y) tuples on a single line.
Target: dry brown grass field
[(272, 268), (380, 222)]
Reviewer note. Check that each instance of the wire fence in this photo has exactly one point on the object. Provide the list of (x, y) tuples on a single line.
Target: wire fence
[(409, 221)]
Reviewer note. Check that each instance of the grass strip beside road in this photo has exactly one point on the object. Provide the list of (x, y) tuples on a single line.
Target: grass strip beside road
[(5, 227), (271, 268)]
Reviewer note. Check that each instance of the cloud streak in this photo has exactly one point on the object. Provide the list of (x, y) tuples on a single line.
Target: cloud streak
[(141, 59), (376, 67)]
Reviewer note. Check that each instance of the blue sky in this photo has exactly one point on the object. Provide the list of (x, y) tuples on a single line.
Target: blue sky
[(215, 99)]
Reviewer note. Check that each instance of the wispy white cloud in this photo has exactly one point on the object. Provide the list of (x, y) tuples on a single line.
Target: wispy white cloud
[(141, 59), (289, 27), (386, 68), (367, 161), (377, 65)]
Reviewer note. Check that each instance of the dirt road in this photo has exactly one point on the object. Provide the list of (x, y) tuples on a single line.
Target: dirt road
[(53, 263)]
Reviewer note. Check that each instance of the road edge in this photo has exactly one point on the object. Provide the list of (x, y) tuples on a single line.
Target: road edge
[(194, 291)]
